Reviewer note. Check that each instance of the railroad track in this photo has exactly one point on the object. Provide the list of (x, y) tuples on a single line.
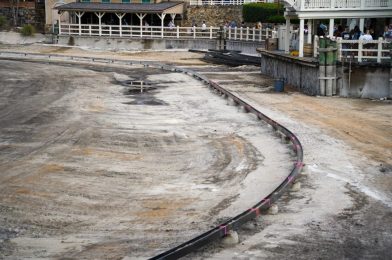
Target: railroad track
[(234, 223)]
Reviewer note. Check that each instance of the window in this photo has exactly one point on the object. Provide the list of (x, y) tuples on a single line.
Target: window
[(86, 1), (105, 1), (126, 1), (145, 1)]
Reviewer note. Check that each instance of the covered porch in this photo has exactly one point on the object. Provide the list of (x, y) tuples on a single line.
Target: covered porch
[(102, 19), (361, 13)]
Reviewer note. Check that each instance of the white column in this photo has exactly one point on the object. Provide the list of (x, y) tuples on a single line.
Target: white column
[(310, 29), (100, 15), (362, 24), (79, 15), (331, 25), (120, 17), (301, 37), (141, 16), (162, 16), (287, 38), (60, 14)]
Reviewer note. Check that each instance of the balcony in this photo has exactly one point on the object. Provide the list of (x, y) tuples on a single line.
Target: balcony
[(330, 5)]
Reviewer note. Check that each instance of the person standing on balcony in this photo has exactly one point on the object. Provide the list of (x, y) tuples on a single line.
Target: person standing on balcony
[(388, 33), (355, 33)]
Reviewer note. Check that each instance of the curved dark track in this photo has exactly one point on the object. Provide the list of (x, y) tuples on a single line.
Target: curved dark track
[(234, 223)]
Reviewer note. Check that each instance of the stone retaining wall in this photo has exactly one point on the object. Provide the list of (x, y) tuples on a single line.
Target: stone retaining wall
[(213, 15)]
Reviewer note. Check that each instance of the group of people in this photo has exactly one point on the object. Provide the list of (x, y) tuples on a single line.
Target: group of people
[(355, 33)]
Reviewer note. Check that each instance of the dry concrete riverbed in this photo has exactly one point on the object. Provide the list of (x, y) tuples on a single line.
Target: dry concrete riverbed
[(93, 168), (74, 165)]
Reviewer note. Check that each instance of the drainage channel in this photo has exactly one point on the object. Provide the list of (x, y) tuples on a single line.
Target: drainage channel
[(234, 223)]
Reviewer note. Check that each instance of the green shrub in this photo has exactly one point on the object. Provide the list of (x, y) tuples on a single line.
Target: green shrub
[(3, 21), (27, 30), (276, 19), (260, 12)]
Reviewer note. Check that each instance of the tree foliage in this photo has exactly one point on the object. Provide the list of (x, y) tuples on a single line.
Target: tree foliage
[(261, 12)]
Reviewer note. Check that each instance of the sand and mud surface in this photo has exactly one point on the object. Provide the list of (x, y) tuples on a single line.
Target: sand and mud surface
[(91, 171)]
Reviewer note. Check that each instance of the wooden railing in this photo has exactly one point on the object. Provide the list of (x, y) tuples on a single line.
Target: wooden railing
[(249, 34), (151, 32), (364, 51)]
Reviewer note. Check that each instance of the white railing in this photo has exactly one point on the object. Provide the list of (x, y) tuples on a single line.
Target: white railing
[(151, 32), (224, 2), (249, 34), (138, 32), (338, 4), (360, 51)]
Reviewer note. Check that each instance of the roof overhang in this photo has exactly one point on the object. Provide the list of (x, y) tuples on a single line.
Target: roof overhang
[(164, 7)]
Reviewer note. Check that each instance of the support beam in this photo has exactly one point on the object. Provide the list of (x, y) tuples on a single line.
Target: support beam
[(120, 17), (60, 14), (141, 16), (99, 15), (301, 37), (162, 17), (79, 15), (362, 25), (331, 26), (287, 38)]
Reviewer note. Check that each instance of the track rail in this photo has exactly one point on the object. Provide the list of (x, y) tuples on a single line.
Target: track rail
[(234, 223)]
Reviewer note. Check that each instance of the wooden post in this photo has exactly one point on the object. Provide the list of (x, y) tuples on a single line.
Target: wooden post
[(60, 14), (99, 15), (360, 47), (247, 33), (235, 33), (322, 66), (254, 34), (79, 15), (210, 32), (178, 32), (141, 16), (379, 49), (120, 16), (162, 16)]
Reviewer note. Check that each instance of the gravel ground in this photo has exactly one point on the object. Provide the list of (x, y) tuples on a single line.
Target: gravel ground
[(342, 211)]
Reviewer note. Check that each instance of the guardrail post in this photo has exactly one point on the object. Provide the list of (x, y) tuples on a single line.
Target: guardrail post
[(89, 29), (260, 34), (241, 33), (194, 32), (110, 30), (339, 46), (235, 33), (379, 50), (254, 34)]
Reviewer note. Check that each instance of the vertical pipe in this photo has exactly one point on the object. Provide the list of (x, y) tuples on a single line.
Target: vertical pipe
[(322, 66)]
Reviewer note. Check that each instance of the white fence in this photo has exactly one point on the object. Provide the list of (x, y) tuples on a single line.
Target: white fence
[(249, 34), (154, 32), (360, 51), (138, 31)]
